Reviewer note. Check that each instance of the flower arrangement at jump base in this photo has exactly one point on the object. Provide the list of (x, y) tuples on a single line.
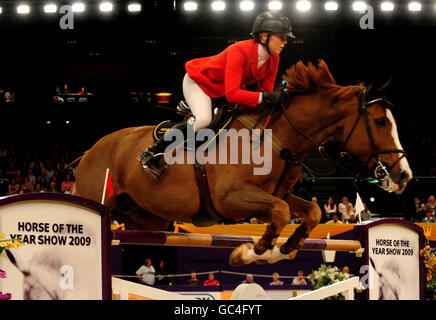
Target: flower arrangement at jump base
[(6, 244), (429, 256), (326, 275)]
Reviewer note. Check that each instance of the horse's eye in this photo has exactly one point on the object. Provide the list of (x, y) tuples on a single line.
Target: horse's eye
[(380, 122)]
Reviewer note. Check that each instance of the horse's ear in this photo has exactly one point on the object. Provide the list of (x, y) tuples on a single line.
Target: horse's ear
[(379, 84), (386, 86), (13, 260)]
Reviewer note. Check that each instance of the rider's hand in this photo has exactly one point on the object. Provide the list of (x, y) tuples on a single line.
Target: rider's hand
[(275, 97)]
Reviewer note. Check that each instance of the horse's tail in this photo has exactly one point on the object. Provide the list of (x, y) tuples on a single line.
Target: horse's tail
[(77, 160)]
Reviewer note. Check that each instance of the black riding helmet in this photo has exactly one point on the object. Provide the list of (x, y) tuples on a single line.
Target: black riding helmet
[(271, 22)]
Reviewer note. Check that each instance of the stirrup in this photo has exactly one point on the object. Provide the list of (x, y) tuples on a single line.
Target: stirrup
[(156, 169)]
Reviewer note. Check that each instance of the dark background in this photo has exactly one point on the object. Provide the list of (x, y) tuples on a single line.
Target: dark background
[(114, 54)]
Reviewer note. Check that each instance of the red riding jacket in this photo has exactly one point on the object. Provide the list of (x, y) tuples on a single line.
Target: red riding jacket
[(227, 73)]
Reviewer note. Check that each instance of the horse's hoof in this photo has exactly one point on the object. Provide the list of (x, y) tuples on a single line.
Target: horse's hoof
[(236, 258)]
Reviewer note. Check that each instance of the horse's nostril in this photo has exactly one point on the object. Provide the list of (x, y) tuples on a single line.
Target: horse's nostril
[(404, 176)]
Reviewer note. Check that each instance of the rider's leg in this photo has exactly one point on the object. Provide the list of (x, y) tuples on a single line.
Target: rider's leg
[(199, 103), (201, 107)]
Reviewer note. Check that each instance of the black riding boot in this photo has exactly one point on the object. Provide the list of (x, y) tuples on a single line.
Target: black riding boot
[(150, 158)]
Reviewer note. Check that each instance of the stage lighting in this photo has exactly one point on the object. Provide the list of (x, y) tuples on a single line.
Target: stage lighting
[(134, 7), (50, 8), (246, 5), (303, 5), (331, 6), (359, 6), (1, 10), (23, 9), (106, 7), (275, 5), (387, 6), (218, 5), (415, 6), (78, 7), (190, 6)]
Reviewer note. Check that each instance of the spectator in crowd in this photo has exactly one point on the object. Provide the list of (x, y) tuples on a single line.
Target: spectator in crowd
[(194, 280), (249, 278), (27, 186), (346, 210), (146, 273), (52, 187), (365, 214), (346, 270), (422, 212), (67, 185), (335, 220), (11, 171), (431, 204), (38, 188), (417, 204), (66, 90), (9, 97), (299, 279), (31, 177), (43, 183), (254, 221), (82, 91), (276, 280), (162, 275), (50, 172), (14, 187), (295, 220), (330, 208), (58, 99), (428, 217), (211, 281), (58, 91)]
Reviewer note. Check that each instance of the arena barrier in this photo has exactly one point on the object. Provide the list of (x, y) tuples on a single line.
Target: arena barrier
[(67, 242)]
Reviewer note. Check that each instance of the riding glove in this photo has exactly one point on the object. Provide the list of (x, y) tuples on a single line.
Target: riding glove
[(275, 97)]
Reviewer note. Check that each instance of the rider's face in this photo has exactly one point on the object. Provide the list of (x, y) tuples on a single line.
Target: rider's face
[(277, 42)]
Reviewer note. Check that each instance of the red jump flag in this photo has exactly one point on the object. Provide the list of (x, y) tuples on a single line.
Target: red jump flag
[(107, 186)]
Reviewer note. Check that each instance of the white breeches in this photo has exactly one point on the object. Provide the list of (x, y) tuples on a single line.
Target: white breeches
[(199, 103)]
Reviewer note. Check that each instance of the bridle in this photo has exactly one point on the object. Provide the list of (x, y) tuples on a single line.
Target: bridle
[(381, 170)]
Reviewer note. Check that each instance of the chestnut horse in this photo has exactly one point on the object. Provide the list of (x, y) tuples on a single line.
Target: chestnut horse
[(319, 110)]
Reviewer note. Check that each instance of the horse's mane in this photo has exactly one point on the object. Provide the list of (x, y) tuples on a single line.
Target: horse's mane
[(303, 78)]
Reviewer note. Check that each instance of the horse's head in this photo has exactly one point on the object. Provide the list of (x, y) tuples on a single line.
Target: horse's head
[(371, 135), (41, 277), (357, 116)]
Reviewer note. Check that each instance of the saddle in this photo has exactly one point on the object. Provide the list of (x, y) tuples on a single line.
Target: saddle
[(222, 116)]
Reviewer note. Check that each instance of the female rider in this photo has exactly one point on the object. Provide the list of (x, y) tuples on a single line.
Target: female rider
[(226, 75)]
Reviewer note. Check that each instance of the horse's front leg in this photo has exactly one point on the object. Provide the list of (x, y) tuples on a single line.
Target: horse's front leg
[(254, 202), (311, 216)]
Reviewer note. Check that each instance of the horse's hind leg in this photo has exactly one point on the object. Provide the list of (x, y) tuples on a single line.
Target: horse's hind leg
[(311, 216)]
